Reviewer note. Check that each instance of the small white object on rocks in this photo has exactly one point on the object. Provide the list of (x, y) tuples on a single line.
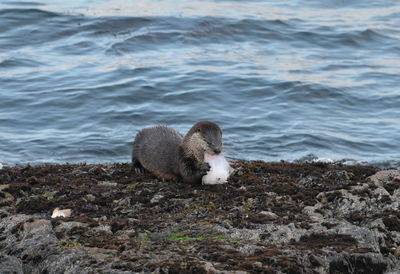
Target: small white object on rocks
[(61, 213), (219, 170), (156, 198), (1, 166)]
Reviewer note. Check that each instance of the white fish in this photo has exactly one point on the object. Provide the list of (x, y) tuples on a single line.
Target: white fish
[(219, 170)]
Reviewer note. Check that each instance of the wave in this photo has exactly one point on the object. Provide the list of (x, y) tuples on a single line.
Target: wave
[(282, 84)]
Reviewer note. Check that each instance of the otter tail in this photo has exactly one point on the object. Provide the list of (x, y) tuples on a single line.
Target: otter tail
[(136, 165)]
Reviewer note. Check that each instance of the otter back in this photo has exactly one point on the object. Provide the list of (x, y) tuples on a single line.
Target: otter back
[(156, 149)]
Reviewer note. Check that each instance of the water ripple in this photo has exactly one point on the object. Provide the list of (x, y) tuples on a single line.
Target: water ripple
[(285, 80)]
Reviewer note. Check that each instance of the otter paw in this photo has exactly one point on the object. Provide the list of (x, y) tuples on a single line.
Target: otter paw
[(204, 168), (140, 170)]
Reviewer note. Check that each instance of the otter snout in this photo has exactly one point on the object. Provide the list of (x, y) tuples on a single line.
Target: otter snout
[(212, 149)]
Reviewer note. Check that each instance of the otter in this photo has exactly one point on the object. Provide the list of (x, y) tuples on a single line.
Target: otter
[(166, 153)]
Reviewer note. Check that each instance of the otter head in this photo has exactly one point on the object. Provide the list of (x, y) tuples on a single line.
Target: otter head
[(203, 137)]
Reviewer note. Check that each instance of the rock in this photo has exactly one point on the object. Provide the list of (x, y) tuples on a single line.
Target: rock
[(107, 183), (361, 262), (270, 215), (103, 228), (210, 269), (64, 227), (156, 198), (384, 176), (36, 242), (263, 217), (10, 224), (10, 264), (69, 261), (282, 234), (338, 174), (39, 226), (309, 181), (273, 218), (90, 197)]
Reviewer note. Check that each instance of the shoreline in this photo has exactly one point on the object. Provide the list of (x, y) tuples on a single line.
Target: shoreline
[(269, 217), (307, 159)]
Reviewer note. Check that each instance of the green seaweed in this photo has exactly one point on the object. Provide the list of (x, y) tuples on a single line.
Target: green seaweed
[(179, 237)]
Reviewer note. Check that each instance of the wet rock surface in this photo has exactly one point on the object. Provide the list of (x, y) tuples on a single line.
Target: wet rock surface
[(270, 217)]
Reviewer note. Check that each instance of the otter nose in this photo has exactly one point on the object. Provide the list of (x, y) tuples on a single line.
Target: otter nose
[(217, 150)]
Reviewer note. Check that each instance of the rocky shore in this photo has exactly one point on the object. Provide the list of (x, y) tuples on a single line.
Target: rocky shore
[(269, 218)]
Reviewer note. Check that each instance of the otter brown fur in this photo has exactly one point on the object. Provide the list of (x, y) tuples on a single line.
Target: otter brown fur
[(166, 153)]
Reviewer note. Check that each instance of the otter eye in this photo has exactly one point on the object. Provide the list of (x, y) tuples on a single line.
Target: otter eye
[(198, 130)]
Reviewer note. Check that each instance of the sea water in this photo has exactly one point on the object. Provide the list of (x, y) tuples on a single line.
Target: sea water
[(285, 80)]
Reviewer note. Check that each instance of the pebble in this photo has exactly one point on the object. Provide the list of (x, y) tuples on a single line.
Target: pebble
[(61, 213), (156, 198), (269, 214), (107, 183), (91, 197)]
